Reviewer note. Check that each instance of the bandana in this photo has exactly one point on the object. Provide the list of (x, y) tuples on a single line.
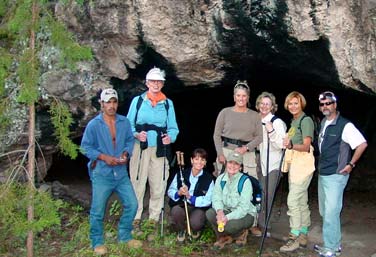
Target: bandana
[(155, 98)]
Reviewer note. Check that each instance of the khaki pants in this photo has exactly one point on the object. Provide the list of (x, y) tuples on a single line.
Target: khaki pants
[(249, 162), (297, 202), (145, 167)]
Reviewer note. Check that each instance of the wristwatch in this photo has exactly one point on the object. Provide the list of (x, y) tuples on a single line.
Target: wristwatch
[(351, 164)]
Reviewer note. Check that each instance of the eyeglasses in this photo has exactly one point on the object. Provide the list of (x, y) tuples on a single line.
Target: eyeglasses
[(327, 103), (326, 95)]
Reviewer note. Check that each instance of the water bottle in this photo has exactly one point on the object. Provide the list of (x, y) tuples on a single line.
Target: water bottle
[(258, 204), (221, 227)]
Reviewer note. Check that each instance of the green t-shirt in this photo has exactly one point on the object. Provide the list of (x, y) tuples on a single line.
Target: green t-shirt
[(306, 129)]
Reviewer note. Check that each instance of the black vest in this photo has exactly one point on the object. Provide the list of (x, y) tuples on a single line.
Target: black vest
[(202, 186), (335, 153)]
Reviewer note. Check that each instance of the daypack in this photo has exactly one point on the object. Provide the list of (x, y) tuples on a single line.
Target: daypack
[(138, 105), (315, 139), (256, 192)]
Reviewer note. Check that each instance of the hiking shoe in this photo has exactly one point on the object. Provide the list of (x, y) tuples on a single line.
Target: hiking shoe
[(137, 228), (256, 231), (181, 236), (133, 243), (222, 241), (242, 239), (303, 240), (100, 250), (323, 250), (291, 245), (153, 225), (196, 234)]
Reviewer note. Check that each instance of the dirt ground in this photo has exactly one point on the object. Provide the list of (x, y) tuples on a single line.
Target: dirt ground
[(358, 226)]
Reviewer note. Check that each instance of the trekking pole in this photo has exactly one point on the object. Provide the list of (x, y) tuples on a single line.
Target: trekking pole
[(267, 179), (164, 171), (181, 166), (139, 162), (271, 204)]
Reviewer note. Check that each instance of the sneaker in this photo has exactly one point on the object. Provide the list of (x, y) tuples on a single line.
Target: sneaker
[(181, 236), (133, 243), (256, 231), (303, 240), (100, 250), (323, 250), (241, 240), (137, 228), (196, 234), (222, 241), (291, 245)]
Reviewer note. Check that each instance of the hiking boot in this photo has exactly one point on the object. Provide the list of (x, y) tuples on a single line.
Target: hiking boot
[(137, 228), (291, 245), (303, 240), (242, 239), (181, 236), (100, 250), (222, 241), (133, 243), (256, 231), (196, 234), (323, 251), (153, 225)]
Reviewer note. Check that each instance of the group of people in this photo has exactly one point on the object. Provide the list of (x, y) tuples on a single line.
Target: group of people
[(246, 142)]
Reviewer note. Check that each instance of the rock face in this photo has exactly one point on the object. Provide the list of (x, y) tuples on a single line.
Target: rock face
[(206, 42), (202, 40)]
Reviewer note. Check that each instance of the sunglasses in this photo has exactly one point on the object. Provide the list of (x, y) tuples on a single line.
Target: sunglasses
[(241, 84), (327, 94), (327, 103)]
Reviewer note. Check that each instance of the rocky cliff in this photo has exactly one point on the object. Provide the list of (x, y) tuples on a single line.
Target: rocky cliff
[(207, 42)]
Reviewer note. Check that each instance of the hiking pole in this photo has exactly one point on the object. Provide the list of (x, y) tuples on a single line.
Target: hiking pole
[(267, 179), (164, 171), (271, 204), (181, 166)]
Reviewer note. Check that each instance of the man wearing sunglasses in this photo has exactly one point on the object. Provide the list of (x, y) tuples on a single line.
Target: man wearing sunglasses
[(338, 139)]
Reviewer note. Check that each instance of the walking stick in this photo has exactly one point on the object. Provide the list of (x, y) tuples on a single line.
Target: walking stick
[(181, 166), (164, 172), (267, 179), (268, 214)]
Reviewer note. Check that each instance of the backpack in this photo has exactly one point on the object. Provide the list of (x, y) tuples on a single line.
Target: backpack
[(138, 105), (256, 187), (315, 140)]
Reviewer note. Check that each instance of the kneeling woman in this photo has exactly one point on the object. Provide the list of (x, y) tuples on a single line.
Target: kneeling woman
[(196, 186), (232, 212)]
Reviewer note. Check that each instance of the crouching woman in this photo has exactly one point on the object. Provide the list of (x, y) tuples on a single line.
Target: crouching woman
[(232, 212)]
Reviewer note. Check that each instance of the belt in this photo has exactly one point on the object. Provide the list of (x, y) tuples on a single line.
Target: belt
[(237, 142)]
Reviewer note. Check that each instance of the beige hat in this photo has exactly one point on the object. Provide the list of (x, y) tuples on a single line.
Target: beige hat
[(236, 157), (107, 94)]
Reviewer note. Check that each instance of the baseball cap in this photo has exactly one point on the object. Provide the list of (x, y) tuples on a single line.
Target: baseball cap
[(236, 157), (107, 94), (328, 95), (155, 74)]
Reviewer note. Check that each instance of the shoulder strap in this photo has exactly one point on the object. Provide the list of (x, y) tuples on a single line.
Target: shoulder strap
[(274, 118), (242, 179), (300, 122), (138, 105)]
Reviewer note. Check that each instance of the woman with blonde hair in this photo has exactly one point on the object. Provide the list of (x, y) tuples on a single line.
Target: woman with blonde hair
[(274, 130), (300, 165)]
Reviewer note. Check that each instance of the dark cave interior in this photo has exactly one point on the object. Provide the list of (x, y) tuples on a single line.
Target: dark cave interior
[(197, 108)]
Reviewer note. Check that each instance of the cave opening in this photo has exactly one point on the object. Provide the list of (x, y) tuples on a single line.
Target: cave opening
[(197, 107)]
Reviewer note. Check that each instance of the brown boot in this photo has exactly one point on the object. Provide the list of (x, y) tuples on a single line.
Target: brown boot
[(222, 241), (291, 245), (100, 250), (256, 231), (153, 225), (303, 240), (137, 228), (242, 239)]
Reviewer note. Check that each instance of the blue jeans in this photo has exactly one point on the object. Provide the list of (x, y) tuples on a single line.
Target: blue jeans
[(102, 188), (330, 190)]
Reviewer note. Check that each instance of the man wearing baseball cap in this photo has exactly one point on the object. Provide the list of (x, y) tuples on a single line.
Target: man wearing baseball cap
[(153, 121), (338, 138), (108, 143)]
